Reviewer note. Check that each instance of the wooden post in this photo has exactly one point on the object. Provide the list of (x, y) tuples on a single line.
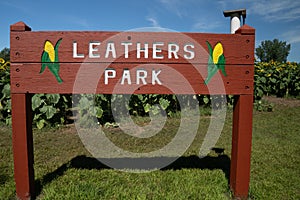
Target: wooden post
[(242, 129), (22, 131), (241, 146), (22, 145)]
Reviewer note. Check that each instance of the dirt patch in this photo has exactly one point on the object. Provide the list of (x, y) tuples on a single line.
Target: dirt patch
[(283, 101)]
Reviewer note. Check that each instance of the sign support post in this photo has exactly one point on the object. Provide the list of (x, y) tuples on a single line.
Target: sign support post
[(241, 139), (22, 145), (22, 139), (241, 145)]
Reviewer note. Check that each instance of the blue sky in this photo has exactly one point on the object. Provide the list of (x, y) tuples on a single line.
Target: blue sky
[(271, 18)]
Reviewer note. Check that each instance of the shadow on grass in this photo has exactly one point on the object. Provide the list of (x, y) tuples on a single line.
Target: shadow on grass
[(3, 179), (221, 162)]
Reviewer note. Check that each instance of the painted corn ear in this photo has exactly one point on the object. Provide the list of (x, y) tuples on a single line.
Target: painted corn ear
[(216, 61), (217, 52), (49, 48), (50, 59)]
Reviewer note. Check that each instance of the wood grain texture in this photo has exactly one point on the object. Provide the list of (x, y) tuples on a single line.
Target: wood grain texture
[(22, 145), (90, 78), (19, 27), (241, 146), (27, 47), (86, 74)]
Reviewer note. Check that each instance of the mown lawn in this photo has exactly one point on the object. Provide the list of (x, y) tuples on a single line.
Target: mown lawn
[(64, 169)]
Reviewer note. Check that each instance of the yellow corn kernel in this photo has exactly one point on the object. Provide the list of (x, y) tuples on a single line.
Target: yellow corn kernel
[(49, 48), (217, 52)]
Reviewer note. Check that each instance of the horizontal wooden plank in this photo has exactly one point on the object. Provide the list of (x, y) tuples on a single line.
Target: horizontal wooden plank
[(27, 46), (129, 78)]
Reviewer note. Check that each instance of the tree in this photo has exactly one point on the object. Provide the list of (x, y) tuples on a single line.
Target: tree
[(273, 50), (5, 53)]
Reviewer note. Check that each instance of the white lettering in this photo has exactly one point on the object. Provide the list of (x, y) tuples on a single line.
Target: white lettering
[(155, 77), (95, 49), (156, 50), (141, 74), (92, 50), (110, 48), (173, 49), (75, 54), (139, 50), (189, 51), (126, 48), (126, 75), (109, 73)]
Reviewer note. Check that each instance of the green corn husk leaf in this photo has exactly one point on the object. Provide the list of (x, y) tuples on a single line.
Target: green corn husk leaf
[(210, 49), (221, 64), (211, 67), (45, 61), (56, 49)]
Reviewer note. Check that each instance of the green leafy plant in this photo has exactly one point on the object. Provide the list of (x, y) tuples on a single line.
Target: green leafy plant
[(88, 108), (5, 102), (278, 79), (263, 105), (50, 109)]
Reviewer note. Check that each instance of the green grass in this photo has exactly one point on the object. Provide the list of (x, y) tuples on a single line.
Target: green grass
[(275, 155), (64, 169)]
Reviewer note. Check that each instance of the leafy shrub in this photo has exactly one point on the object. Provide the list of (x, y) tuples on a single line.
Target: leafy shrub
[(5, 103), (50, 109), (279, 79)]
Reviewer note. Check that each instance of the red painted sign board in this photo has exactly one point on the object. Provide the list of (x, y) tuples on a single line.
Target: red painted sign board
[(76, 62)]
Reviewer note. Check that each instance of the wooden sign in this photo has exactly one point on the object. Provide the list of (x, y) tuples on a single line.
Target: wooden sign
[(71, 62)]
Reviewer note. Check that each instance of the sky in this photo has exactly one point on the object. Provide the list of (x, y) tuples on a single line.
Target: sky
[(271, 18)]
